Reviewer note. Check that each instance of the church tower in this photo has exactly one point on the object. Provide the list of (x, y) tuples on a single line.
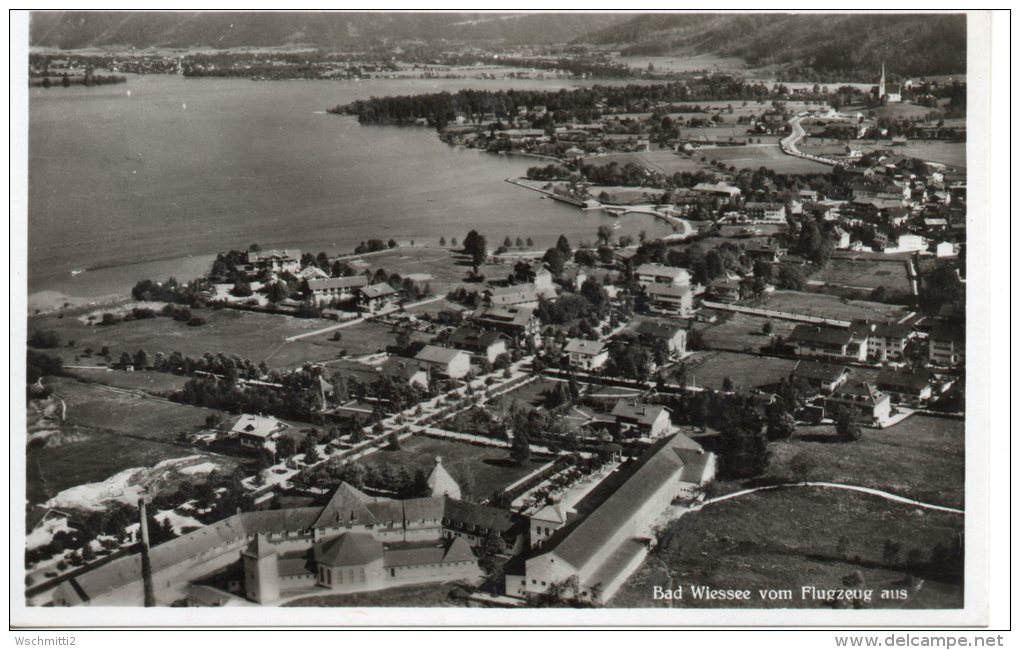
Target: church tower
[(261, 573), (881, 83)]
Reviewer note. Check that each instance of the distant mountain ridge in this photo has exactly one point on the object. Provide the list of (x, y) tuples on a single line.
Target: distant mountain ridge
[(911, 44), (836, 45), (82, 29)]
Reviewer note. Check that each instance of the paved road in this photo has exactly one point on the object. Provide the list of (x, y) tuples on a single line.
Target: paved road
[(348, 323)]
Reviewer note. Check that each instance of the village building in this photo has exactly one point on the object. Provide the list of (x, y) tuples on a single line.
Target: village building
[(828, 342), (945, 249), (445, 362), (377, 298), (534, 273), (257, 431), (312, 272), (644, 420), (824, 377), (842, 238), (273, 261), (946, 346), (725, 290), (573, 278), (670, 335), (727, 193), (873, 406), (324, 290), (407, 371), (909, 388), (586, 355), (886, 341), (517, 323), (647, 274), (670, 299), (515, 295), (481, 344), (764, 251), (765, 212), (593, 554)]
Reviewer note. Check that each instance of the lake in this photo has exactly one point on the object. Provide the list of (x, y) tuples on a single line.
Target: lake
[(153, 177)]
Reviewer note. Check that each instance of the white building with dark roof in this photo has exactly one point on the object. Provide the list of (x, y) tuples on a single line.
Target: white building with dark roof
[(585, 354), (446, 362), (594, 554)]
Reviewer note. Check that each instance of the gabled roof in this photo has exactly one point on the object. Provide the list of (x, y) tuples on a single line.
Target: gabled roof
[(674, 272), (913, 381), (513, 316), (377, 291), (584, 346), (348, 549), (423, 509), (659, 330), (551, 512), (401, 368), (459, 551), (815, 334), (348, 282), (465, 513), (347, 505), (637, 411), (470, 338), (440, 482), (436, 354), (261, 426), (579, 544), (815, 371), (860, 391)]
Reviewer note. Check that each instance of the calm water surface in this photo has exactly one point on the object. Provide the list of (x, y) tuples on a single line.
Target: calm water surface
[(154, 182)]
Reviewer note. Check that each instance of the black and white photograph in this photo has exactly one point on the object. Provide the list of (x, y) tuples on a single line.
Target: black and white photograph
[(525, 318)]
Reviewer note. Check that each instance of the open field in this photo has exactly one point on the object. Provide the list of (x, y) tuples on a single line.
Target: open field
[(755, 156), (479, 470), (530, 394), (859, 274), (921, 458), (362, 338), (427, 595), (825, 306), (742, 332), (249, 335), (119, 412), (683, 63), (786, 539), (710, 369), (626, 195), (150, 382), (663, 160), (897, 110), (953, 154)]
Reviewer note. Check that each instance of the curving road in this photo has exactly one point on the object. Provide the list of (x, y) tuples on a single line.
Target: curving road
[(838, 486)]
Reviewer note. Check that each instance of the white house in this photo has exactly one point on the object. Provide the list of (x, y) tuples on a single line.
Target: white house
[(585, 354), (257, 431), (647, 274), (446, 362)]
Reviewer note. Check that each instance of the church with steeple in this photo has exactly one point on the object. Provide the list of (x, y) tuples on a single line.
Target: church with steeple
[(891, 93)]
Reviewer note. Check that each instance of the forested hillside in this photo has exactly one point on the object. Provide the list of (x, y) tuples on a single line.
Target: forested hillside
[(77, 29), (842, 47)]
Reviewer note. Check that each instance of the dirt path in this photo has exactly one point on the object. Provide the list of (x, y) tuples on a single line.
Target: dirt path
[(838, 486)]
